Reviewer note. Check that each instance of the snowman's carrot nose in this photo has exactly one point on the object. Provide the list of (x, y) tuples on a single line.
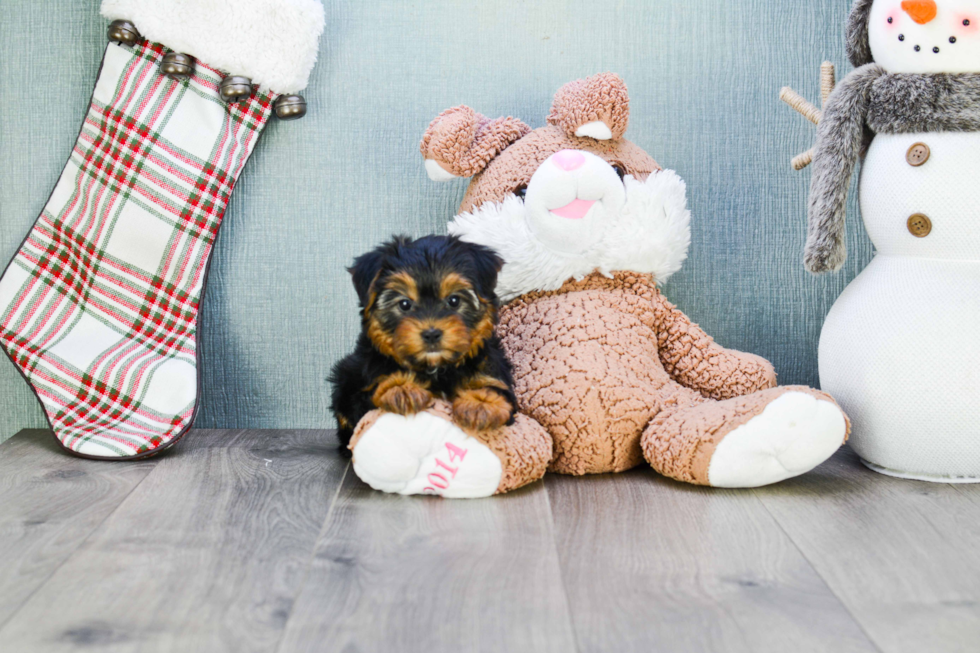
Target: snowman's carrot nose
[(921, 11)]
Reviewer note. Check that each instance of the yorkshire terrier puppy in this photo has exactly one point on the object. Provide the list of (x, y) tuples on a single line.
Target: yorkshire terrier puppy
[(428, 312)]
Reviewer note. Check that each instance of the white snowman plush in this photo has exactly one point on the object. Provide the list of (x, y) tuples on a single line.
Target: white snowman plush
[(900, 349)]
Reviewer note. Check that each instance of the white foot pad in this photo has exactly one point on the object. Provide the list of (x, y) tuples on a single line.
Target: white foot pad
[(794, 434), (425, 454)]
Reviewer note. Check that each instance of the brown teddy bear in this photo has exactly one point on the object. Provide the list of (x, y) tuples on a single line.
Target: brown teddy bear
[(588, 224)]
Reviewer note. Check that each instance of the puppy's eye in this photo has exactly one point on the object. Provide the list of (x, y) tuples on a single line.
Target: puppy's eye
[(405, 305), (454, 301), (521, 191), (619, 171)]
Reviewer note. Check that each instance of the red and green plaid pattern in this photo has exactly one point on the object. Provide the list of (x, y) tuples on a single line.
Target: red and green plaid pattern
[(99, 307)]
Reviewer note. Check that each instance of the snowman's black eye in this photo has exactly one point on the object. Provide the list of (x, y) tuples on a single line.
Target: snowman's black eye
[(891, 20), (521, 191), (619, 171), (966, 22)]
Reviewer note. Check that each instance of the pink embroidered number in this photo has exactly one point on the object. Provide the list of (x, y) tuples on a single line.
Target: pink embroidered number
[(455, 452), (440, 477), (439, 481), (451, 470)]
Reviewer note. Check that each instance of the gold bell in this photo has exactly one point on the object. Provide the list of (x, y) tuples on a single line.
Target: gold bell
[(177, 65), (235, 88), (123, 31), (290, 107)]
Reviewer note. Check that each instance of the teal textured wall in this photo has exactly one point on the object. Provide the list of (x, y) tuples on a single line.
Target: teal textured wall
[(703, 77)]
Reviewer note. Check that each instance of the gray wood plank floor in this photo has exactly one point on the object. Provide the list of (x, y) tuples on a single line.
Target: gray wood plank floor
[(651, 564), (266, 541)]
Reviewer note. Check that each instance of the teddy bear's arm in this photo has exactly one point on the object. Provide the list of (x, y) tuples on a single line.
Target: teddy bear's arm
[(692, 358)]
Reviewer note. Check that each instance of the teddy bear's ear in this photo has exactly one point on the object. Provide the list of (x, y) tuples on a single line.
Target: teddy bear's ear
[(461, 142), (597, 107)]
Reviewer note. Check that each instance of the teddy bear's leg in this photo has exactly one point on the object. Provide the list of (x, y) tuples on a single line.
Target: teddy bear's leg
[(428, 454), (748, 441)]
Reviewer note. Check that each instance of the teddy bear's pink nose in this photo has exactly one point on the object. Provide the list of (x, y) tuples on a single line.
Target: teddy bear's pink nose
[(569, 160)]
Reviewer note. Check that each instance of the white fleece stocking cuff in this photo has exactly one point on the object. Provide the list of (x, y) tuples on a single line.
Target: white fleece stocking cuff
[(273, 42)]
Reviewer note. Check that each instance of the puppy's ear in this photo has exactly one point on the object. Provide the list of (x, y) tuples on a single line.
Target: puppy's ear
[(486, 265), (461, 143), (597, 107), (363, 273), (367, 267)]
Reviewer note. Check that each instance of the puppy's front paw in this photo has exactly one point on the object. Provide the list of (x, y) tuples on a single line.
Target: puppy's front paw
[(481, 410), (401, 394)]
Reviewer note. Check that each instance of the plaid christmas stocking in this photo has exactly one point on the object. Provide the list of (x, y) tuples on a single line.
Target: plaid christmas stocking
[(99, 308)]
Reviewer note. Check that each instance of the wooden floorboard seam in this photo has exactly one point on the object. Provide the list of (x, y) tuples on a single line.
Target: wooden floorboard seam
[(561, 570), (822, 577), (81, 543), (229, 524), (840, 559), (901, 553), (967, 489), (312, 558)]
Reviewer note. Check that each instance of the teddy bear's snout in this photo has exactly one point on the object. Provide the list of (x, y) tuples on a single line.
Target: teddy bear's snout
[(570, 198), (568, 160), (573, 179)]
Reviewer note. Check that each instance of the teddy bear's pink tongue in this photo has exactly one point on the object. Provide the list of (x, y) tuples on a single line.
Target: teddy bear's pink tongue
[(574, 210)]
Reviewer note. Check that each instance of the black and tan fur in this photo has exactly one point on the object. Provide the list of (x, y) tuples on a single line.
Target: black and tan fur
[(428, 312)]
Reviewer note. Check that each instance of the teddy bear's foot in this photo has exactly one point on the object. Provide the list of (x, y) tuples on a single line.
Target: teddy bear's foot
[(425, 454), (791, 436), (428, 454), (750, 441)]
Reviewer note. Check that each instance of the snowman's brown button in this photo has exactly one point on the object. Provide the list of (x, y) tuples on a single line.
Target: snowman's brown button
[(919, 225), (917, 155)]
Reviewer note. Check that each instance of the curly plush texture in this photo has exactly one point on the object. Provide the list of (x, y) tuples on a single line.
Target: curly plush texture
[(841, 137), (515, 165), (602, 97), (596, 361), (693, 358), (524, 448), (681, 440), (613, 371), (464, 141)]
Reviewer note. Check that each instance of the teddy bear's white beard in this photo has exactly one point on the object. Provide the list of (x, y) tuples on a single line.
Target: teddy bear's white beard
[(651, 234)]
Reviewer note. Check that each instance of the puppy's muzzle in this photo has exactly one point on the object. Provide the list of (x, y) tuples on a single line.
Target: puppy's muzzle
[(431, 337)]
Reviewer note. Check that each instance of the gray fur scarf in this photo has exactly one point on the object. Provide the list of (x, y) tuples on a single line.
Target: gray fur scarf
[(869, 101)]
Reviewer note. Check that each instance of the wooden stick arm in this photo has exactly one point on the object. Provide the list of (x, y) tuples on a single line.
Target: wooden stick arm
[(828, 80), (803, 160), (800, 104)]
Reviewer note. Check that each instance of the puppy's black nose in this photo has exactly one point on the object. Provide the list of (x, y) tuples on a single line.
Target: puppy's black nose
[(431, 336)]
